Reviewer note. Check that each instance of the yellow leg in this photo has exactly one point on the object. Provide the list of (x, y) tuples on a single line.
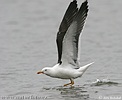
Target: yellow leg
[(71, 83)]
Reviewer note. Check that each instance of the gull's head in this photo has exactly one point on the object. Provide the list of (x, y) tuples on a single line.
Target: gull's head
[(46, 70)]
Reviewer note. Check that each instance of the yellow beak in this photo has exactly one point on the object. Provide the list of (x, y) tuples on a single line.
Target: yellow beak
[(40, 72)]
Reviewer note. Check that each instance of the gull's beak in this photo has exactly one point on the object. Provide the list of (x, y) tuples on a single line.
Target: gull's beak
[(40, 72)]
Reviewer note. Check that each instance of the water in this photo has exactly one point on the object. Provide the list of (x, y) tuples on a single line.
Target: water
[(27, 44)]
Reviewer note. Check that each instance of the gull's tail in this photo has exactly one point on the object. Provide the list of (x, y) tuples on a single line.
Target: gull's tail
[(84, 68)]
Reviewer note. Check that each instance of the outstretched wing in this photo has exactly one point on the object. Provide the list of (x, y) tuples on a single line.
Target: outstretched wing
[(71, 38), (66, 22)]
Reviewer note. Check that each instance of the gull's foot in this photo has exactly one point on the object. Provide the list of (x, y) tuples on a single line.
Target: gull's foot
[(71, 83), (67, 84)]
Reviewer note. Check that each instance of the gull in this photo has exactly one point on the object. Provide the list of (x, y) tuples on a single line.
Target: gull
[(67, 66)]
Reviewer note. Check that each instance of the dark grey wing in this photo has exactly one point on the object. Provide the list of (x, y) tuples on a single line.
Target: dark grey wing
[(71, 38), (66, 22)]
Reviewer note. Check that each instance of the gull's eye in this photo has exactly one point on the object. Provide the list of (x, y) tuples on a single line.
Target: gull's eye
[(45, 69)]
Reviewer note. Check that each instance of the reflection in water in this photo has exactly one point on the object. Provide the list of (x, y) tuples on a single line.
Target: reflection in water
[(74, 92)]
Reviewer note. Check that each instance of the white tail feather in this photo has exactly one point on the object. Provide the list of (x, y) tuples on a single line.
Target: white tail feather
[(84, 68)]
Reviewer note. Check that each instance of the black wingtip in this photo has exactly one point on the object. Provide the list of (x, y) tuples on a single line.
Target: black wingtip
[(85, 2), (74, 1)]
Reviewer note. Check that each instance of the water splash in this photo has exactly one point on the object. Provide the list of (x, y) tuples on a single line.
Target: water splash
[(100, 82)]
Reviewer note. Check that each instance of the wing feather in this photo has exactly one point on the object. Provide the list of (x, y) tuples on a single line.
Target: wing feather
[(66, 22), (71, 38)]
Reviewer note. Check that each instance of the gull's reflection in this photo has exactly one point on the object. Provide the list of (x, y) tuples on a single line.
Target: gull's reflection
[(75, 93), (68, 93)]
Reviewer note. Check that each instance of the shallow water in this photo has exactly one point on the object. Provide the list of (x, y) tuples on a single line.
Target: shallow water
[(27, 44)]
